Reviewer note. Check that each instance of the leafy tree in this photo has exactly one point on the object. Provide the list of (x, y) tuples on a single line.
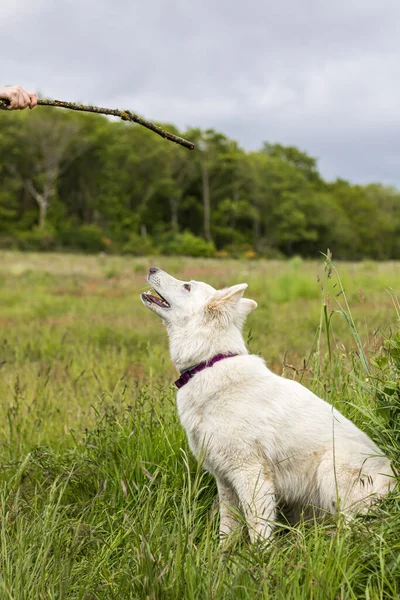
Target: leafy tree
[(305, 163), (49, 141), (96, 184), (212, 157)]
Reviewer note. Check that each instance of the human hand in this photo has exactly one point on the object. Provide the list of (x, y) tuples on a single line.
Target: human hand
[(17, 97)]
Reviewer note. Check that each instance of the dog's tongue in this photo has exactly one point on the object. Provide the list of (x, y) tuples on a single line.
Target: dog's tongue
[(156, 300)]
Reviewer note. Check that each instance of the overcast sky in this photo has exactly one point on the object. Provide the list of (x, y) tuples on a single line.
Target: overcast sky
[(324, 76)]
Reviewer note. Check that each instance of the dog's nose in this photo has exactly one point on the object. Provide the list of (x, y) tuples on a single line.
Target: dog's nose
[(153, 270)]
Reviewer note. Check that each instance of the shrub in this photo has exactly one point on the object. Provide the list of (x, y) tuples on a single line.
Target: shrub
[(89, 238), (187, 244), (238, 250), (228, 236), (138, 245), (8, 242), (38, 238)]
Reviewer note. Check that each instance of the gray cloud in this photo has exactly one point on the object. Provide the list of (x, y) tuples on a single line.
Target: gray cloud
[(322, 76)]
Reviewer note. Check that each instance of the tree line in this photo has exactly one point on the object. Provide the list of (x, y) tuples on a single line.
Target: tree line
[(84, 182)]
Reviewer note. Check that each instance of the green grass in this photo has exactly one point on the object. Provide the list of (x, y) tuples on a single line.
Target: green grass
[(100, 497)]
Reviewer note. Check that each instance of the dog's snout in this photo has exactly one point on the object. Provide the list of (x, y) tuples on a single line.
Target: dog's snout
[(153, 270)]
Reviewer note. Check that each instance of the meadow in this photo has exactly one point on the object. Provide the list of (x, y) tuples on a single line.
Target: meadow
[(100, 497)]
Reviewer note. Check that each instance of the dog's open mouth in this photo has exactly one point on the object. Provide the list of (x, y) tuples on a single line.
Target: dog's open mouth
[(152, 299)]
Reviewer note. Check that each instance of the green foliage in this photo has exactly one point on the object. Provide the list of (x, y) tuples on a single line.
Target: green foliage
[(41, 239), (387, 385), (100, 185), (89, 238), (138, 245), (187, 244)]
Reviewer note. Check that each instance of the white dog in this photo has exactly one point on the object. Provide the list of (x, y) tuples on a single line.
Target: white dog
[(266, 439)]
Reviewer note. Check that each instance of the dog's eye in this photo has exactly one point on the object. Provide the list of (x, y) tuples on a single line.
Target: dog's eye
[(187, 286)]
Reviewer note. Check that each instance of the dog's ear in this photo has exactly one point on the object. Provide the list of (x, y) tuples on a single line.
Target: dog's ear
[(244, 308), (225, 302)]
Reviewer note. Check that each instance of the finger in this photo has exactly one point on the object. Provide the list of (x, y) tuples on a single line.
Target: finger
[(26, 99), (33, 99), (21, 99), (4, 93), (18, 96), (13, 99)]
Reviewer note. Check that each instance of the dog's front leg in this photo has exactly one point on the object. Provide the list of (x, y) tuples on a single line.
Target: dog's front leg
[(257, 496), (228, 505)]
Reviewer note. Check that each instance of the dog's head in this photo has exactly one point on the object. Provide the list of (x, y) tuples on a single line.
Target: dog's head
[(201, 321)]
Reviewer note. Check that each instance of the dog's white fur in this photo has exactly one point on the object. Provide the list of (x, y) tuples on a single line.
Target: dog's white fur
[(266, 439)]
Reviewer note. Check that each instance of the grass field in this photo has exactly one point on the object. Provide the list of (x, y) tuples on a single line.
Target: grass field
[(100, 497)]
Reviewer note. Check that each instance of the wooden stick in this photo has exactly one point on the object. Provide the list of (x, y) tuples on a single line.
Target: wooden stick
[(125, 115)]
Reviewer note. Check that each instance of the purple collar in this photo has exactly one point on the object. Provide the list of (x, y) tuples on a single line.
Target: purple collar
[(189, 373)]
